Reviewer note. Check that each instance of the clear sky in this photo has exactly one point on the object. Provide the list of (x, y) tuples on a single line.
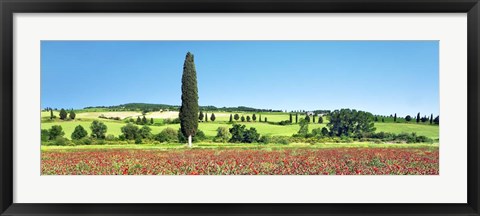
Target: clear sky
[(382, 77)]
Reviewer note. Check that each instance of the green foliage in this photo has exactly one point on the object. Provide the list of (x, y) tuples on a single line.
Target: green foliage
[(167, 135), (60, 141), (296, 118), (320, 120), (145, 132), (72, 115), (241, 134), (243, 118), (139, 121), (99, 129), (248, 118), (236, 117), (144, 120), (325, 131), (223, 134), (130, 131), (303, 131), (206, 117), (237, 132), (55, 131), (200, 116), (431, 118), (436, 120), (291, 118), (212, 117), (171, 121), (138, 140), (189, 109), (79, 133), (284, 122), (251, 135), (199, 136), (424, 119), (408, 118), (349, 122), (254, 117), (63, 114), (395, 118), (231, 118), (307, 118), (151, 121), (45, 135), (265, 119), (52, 116), (418, 117)]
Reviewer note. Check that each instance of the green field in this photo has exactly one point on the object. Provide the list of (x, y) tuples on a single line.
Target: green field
[(209, 128)]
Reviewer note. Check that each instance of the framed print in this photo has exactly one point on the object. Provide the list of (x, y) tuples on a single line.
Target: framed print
[(263, 108)]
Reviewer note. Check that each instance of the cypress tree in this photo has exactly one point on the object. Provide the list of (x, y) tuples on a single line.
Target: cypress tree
[(320, 119), (248, 118), (139, 121), (236, 117), (254, 118), (189, 108), (51, 114), (144, 120), (243, 118), (431, 118), (418, 117), (291, 118), (72, 115), (212, 117), (260, 118), (313, 121), (206, 117), (63, 114), (265, 119), (395, 118), (307, 118), (231, 118), (151, 121), (296, 118), (200, 116)]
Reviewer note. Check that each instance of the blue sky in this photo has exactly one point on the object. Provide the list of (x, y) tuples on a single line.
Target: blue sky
[(382, 77)]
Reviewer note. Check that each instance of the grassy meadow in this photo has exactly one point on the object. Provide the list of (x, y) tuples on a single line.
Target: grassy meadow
[(222, 118)]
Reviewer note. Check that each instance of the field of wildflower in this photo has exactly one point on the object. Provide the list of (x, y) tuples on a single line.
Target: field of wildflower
[(288, 161)]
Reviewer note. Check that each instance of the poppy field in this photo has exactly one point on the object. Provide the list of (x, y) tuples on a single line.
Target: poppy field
[(298, 161)]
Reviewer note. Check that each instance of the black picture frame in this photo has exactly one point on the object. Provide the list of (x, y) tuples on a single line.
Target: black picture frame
[(9, 7)]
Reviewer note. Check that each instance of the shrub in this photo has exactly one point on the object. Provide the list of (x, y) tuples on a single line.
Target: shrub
[(86, 141), (171, 121), (130, 131), (111, 137), (79, 133), (284, 122), (265, 139), (237, 133), (63, 114), (167, 135), (199, 136), (138, 140), (44, 135), (55, 131), (251, 135), (223, 135), (60, 141), (98, 129), (145, 132)]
